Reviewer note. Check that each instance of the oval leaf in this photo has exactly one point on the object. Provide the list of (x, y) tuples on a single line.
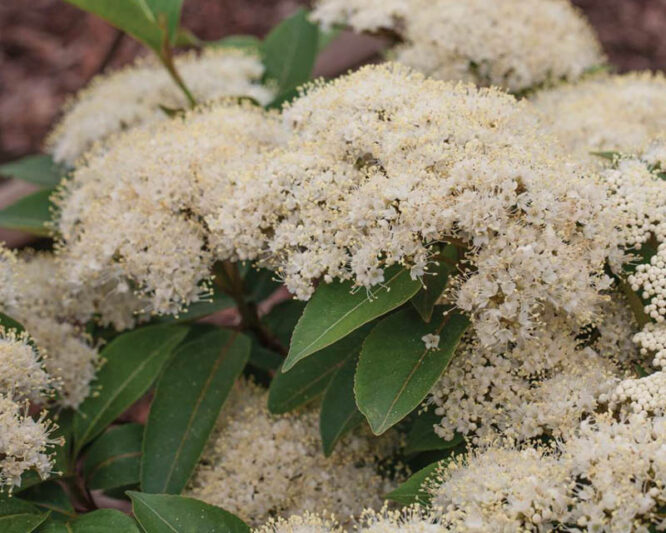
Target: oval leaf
[(157, 513), (339, 413), (309, 378), (17, 516), (104, 521), (133, 361), (396, 370), (113, 459), (50, 496), (36, 169), (334, 312), (289, 51), (30, 214), (139, 18), (188, 400)]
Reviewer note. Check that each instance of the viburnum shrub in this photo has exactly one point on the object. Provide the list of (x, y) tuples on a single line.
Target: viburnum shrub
[(428, 295)]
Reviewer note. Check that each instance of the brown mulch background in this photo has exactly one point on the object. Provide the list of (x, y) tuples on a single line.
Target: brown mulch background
[(49, 49)]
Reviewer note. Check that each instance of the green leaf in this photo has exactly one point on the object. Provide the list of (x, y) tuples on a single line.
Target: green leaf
[(188, 400), (339, 413), (29, 214), (411, 491), (37, 169), (134, 17), (50, 496), (17, 516), (422, 436), (289, 51), (113, 458), (244, 42), (309, 378), (158, 513), (8, 322), (396, 371), (170, 11), (133, 361), (435, 282), (334, 312), (103, 521)]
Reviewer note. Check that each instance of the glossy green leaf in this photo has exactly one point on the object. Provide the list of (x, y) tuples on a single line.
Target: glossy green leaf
[(113, 459), (29, 214), (188, 400), (435, 282), (412, 491), (138, 18), (158, 513), (50, 496), (100, 521), (396, 371), (334, 312), (289, 51), (422, 436), (18, 516), (339, 413), (133, 361), (37, 169), (309, 378), (103, 521)]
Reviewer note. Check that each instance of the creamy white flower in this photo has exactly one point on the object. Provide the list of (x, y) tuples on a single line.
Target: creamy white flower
[(24, 444), (135, 95), (134, 215), (643, 395), (259, 465), (22, 374), (606, 113), (514, 44), (418, 162)]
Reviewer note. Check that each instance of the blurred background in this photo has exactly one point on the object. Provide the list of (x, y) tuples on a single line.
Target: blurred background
[(49, 49)]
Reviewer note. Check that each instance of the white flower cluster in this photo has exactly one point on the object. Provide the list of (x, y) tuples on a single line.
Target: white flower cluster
[(650, 279), (258, 465), (606, 113), (503, 490), (514, 44), (609, 476), (639, 194), (313, 196), (544, 385), (173, 175), (645, 395), (139, 94), (22, 373), (418, 162), (652, 340), (24, 443), (35, 295)]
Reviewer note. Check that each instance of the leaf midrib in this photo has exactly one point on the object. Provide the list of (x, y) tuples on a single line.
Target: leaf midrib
[(113, 397), (207, 384), (353, 309)]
